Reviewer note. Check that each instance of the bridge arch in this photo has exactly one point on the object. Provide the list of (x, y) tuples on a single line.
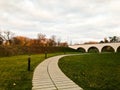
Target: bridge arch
[(100, 46), (108, 48), (81, 49), (93, 49), (118, 49)]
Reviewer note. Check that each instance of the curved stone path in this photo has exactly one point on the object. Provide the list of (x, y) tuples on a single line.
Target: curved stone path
[(48, 76)]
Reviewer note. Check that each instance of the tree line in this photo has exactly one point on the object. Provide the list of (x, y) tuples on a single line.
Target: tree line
[(113, 39), (9, 38), (15, 45)]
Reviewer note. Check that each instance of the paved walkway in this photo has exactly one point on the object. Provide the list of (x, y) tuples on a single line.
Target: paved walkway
[(48, 76)]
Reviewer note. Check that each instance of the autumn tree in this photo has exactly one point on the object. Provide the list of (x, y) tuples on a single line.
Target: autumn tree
[(21, 40), (34, 42), (64, 44)]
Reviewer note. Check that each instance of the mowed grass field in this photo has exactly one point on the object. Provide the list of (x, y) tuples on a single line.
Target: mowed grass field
[(14, 74), (93, 71)]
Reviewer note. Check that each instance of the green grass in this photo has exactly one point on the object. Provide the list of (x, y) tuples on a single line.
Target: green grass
[(93, 71), (14, 74)]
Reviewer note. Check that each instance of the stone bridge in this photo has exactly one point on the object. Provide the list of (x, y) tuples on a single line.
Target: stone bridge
[(99, 47)]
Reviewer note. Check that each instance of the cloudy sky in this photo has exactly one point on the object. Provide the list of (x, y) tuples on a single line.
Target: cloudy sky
[(70, 20)]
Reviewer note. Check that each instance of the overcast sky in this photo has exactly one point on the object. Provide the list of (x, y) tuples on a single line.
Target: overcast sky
[(70, 20)]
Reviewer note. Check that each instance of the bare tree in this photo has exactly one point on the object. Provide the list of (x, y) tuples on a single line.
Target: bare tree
[(53, 40), (42, 39), (58, 41), (105, 40), (41, 36), (6, 36), (1, 41)]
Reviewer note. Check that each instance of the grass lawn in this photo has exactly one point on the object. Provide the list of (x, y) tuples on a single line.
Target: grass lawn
[(14, 74), (93, 71)]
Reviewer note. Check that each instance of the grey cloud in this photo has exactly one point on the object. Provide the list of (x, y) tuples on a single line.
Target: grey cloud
[(76, 20)]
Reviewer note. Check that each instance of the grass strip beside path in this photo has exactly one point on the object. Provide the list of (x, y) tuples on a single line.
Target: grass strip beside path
[(14, 74), (93, 71)]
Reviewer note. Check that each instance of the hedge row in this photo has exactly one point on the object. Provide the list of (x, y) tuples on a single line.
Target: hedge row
[(19, 50)]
